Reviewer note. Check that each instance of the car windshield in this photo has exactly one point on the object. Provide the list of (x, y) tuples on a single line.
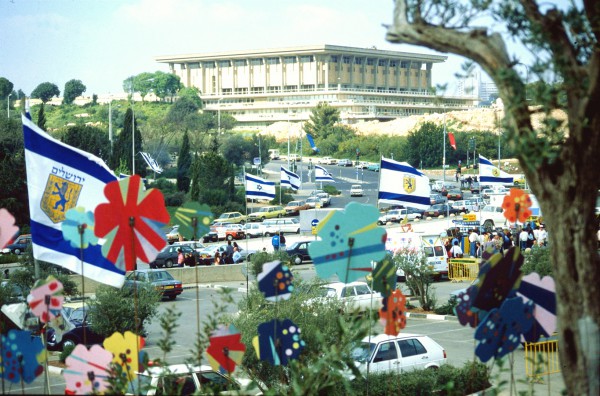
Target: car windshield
[(326, 292), (159, 276), (362, 353)]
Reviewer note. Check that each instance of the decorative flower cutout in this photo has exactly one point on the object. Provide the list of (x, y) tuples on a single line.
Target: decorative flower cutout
[(350, 240), (78, 228), (393, 313), (226, 349), (278, 342), (8, 229), (275, 281), (384, 277), (516, 205), (464, 311), (87, 370), (60, 327), (194, 219), (131, 222), (22, 356), (499, 278), (45, 299), (542, 293), (500, 332), (124, 348)]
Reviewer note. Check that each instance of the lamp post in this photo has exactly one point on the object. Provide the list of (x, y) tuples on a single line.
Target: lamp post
[(132, 134), (110, 131), (8, 105), (219, 116)]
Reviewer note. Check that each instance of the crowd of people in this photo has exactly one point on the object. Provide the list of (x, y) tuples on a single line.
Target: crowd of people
[(526, 237)]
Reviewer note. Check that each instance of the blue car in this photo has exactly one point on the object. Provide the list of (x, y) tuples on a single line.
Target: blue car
[(20, 245), (373, 167)]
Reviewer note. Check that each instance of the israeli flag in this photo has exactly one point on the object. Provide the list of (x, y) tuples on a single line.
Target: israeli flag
[(489, 174), (59, 178), (289, 179), (400, 183), (151, 162), (321, 175), (257, 188)]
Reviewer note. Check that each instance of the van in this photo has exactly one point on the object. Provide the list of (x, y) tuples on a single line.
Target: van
[(431, 246), (275, 226)]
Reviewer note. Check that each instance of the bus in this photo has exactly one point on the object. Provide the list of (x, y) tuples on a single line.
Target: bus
[(274, 154)]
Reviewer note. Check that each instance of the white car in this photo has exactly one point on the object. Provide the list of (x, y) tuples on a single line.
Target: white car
[(254, 230), (356, 190), (362, 165), (357, 297), (327, 161), (325, 198), (397, 215), (314, 202), (286, 226), (492, 216), (404, 352)]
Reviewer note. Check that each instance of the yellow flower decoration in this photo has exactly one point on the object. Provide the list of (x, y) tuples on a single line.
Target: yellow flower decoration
[(124, 350)]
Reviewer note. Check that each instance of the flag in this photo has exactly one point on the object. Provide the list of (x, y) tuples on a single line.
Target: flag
[(400, 183), (289, 179), (59, 178), (322, 175), (489, 174), (257, 188), (311, 141), (151, 162), (452, 140)]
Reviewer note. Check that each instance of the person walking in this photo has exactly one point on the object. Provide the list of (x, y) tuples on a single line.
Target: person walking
[(229, 249), (217, 258), (281, 241), (275, 242), (456, 250), (180, 257), (523, 235), (473, 239)]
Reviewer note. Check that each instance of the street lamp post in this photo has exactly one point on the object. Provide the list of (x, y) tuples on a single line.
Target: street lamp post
[(219, 115), (8, 105)]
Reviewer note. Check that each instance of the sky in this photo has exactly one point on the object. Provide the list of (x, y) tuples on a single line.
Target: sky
[(103, 42)]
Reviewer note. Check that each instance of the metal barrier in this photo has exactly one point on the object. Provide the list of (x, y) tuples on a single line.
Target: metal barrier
[(463, 269), (541, 358)]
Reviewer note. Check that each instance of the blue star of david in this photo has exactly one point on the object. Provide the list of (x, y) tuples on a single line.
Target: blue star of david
[(259, 187)]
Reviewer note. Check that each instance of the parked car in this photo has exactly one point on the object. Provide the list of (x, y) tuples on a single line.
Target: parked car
[(77, 321), (356, 297), (454, 194), (356, 190), (293, 208), (325, 199), (397, 215), (197, 246), (189, 380), (404, 352), (19, 245), (314, 202), (254, 230), (161, 280), (220, 231), (326, 161), (167, 257), (275, 226), (440, 210), (231, 217), (436, 199), (173, 234), (362, 165), (344, 162), (298, 251), (373, 167), (491, 217), (460, 205), (12, 292), (207, 256), (267, 212)]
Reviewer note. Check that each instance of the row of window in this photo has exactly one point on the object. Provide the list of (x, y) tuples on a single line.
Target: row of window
[(307, 59)]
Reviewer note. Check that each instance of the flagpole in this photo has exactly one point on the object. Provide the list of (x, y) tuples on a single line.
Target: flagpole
[(444, 155), (379, 181)]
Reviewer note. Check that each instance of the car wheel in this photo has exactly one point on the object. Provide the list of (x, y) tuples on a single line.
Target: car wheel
[(68, 343), (298, 230), (279, 216), (248, 258), (152, 266), (230, 237), (262, 218), (173, 297), (267, 234), (243, 222), (17, 251), (169, 263), (297, 259)]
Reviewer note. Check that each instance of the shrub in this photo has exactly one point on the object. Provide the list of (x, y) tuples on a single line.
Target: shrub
[(419, 276), (9, 258), (64, 354), (259, 259), (537, 260), (448, 308), (331, 190), (175, 199)]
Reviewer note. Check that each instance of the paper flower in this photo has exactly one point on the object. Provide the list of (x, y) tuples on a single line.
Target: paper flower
[(384, 277), (278, 342), (393, 313), (125, 348), (60, 327), (87, 370), (542, 293), (131, 222), (464, 310), (78, 228), (500, 332), (8, 229), (275, 281), (226, 349), (22, 356), (516, 205), (350, 240), (499, 278), (45, 300), (194, 219)]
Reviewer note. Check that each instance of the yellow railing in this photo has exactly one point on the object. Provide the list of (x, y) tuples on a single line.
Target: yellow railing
[(463, 269), (541, 358)]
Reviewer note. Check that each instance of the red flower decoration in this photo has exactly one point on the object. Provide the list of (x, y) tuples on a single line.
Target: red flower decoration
[(226, 349), (131, 222), (393, 313), (516, 205)]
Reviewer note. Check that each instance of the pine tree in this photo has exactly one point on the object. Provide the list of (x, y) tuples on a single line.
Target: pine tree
[(41, 120), (184, 162)]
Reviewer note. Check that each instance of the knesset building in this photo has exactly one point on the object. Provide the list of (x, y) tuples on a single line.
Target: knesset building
[(260, 87)]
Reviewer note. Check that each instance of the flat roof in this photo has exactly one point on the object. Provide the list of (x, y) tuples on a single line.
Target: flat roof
[(301, 50)]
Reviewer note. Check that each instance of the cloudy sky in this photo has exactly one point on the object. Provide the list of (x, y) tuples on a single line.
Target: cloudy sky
[(103, 42)]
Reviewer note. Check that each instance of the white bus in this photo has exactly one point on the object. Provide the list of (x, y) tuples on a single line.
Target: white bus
[(274, 154)]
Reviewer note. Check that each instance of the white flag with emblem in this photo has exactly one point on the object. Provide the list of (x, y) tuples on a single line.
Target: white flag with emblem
[(489, 174), (400, 183)]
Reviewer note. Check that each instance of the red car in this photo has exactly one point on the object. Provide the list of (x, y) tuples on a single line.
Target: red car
[(455, 195)]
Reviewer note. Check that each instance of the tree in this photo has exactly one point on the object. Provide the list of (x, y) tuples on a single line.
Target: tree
[(184, 162), (41, 118), (122, 152), (559, 158), (88, 138), (73, 89), (45, 91), (322, 120), (210, 175), (143, 83), (6, 87), (13, 179), (166, 84)]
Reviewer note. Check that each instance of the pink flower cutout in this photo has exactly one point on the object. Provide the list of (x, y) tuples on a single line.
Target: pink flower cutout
[(87, 370), (45, 300), (8, 229)]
